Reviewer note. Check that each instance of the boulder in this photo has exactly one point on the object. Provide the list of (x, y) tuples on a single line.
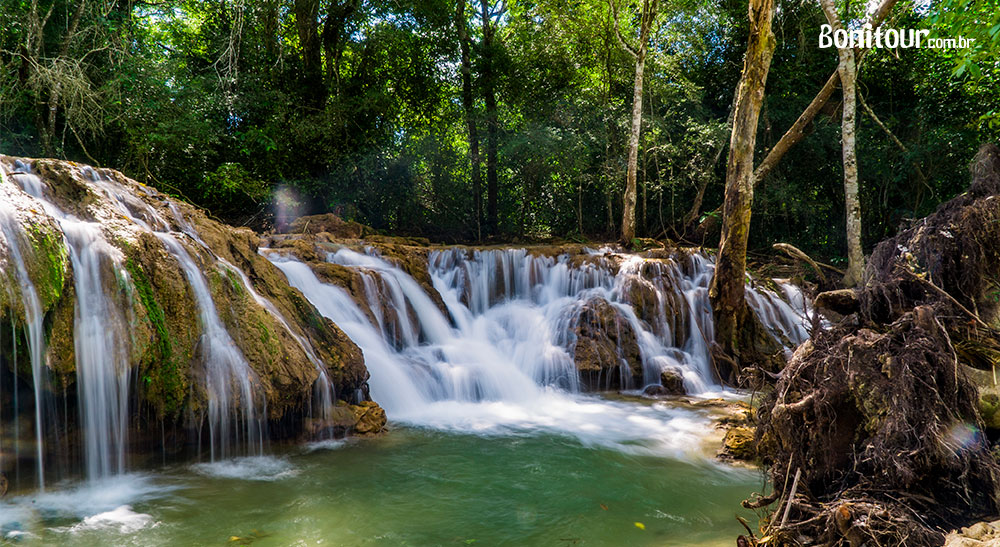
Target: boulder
[(605, 350)]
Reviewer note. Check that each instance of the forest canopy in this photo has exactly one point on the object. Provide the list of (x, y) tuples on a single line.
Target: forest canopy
[(464, 120)]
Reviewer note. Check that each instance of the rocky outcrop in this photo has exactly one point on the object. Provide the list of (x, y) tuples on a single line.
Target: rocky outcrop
[(286, 342), (605, 350)]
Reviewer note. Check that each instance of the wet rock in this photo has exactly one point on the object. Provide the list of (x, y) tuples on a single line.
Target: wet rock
[(163, 332), (329, 223), (673, 382), (606, 351), (739, 444), (369, 418)]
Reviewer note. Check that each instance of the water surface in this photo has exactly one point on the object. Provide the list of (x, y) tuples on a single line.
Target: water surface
[(412, 486)]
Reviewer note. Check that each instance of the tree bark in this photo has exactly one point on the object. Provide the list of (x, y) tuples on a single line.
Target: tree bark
[(727, 291), (490, 98), (470, 116), (848, 77)]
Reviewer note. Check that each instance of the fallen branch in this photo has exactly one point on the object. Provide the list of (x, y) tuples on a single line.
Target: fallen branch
[(794, 252), (791, 496)]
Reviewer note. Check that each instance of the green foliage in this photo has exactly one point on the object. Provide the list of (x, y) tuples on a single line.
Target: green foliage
[(223, 102), (231, 188)]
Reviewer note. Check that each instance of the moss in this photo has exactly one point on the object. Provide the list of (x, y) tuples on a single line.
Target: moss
[(48, 265), (164, 382), (234, 280), (271, 343)]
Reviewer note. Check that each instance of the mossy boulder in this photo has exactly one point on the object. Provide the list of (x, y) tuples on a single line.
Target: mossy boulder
[(605, 349)]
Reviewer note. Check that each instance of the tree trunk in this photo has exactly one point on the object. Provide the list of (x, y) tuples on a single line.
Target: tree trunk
[(639, 53), (307, 26), (470, 117), (727, 290), (848, 76), (489, 92), (628, 202)]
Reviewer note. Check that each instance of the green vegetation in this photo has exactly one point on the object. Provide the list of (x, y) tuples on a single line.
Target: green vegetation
[(161, 376), (48, 268), (359, 108)]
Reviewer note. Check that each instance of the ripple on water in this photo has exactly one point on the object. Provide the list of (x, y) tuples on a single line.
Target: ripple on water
[(102, 504), (252, 468)]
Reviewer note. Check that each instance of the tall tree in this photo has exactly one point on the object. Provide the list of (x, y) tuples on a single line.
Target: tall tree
[(307, 25), (489, 12), (638, 52), (847, 70), (727, 291), (465, 44)]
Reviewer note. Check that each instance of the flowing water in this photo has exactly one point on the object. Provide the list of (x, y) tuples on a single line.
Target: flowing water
[(492, 440), (411, 487)]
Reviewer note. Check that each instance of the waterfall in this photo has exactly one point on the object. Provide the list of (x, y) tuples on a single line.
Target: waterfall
[(101, 348), (323, 391), (229, 381), (102, 371), (33, 317), (224, 366), (500, 354)]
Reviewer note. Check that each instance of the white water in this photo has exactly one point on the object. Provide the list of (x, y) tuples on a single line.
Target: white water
[(229, 381), (102, 371), (502, 360), (323, 389), (33, 317)]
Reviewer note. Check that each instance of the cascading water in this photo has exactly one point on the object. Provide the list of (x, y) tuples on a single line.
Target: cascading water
[(323, 388), (33, 317), (224, 366), (102, 369), (502, 356), (228, 379)]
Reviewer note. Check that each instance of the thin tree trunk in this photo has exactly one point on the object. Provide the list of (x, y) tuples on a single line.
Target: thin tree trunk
[(727, 291), (798, 129), (639, 53), (848, 76), (489, 91), (470, 117), (628, 201)]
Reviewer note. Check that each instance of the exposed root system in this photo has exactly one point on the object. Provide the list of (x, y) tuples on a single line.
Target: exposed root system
[(876, 414)]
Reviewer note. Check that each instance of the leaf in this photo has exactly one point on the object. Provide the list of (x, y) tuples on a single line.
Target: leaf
[(640, 525), (605, 507)]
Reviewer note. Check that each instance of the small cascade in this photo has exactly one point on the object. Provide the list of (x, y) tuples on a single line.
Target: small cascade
[(225, 369), (230, 383), (323, 391), (102, 370), (101, 359), (36, 342), (513, 320), (236, 410)]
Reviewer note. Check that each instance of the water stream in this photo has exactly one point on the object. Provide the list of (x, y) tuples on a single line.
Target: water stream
[(493, 437)]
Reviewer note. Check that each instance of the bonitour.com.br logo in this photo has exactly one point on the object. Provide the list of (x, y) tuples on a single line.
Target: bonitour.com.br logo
[(867, 38)]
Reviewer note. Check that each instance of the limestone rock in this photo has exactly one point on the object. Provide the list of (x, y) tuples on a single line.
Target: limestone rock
[(606, 351)]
